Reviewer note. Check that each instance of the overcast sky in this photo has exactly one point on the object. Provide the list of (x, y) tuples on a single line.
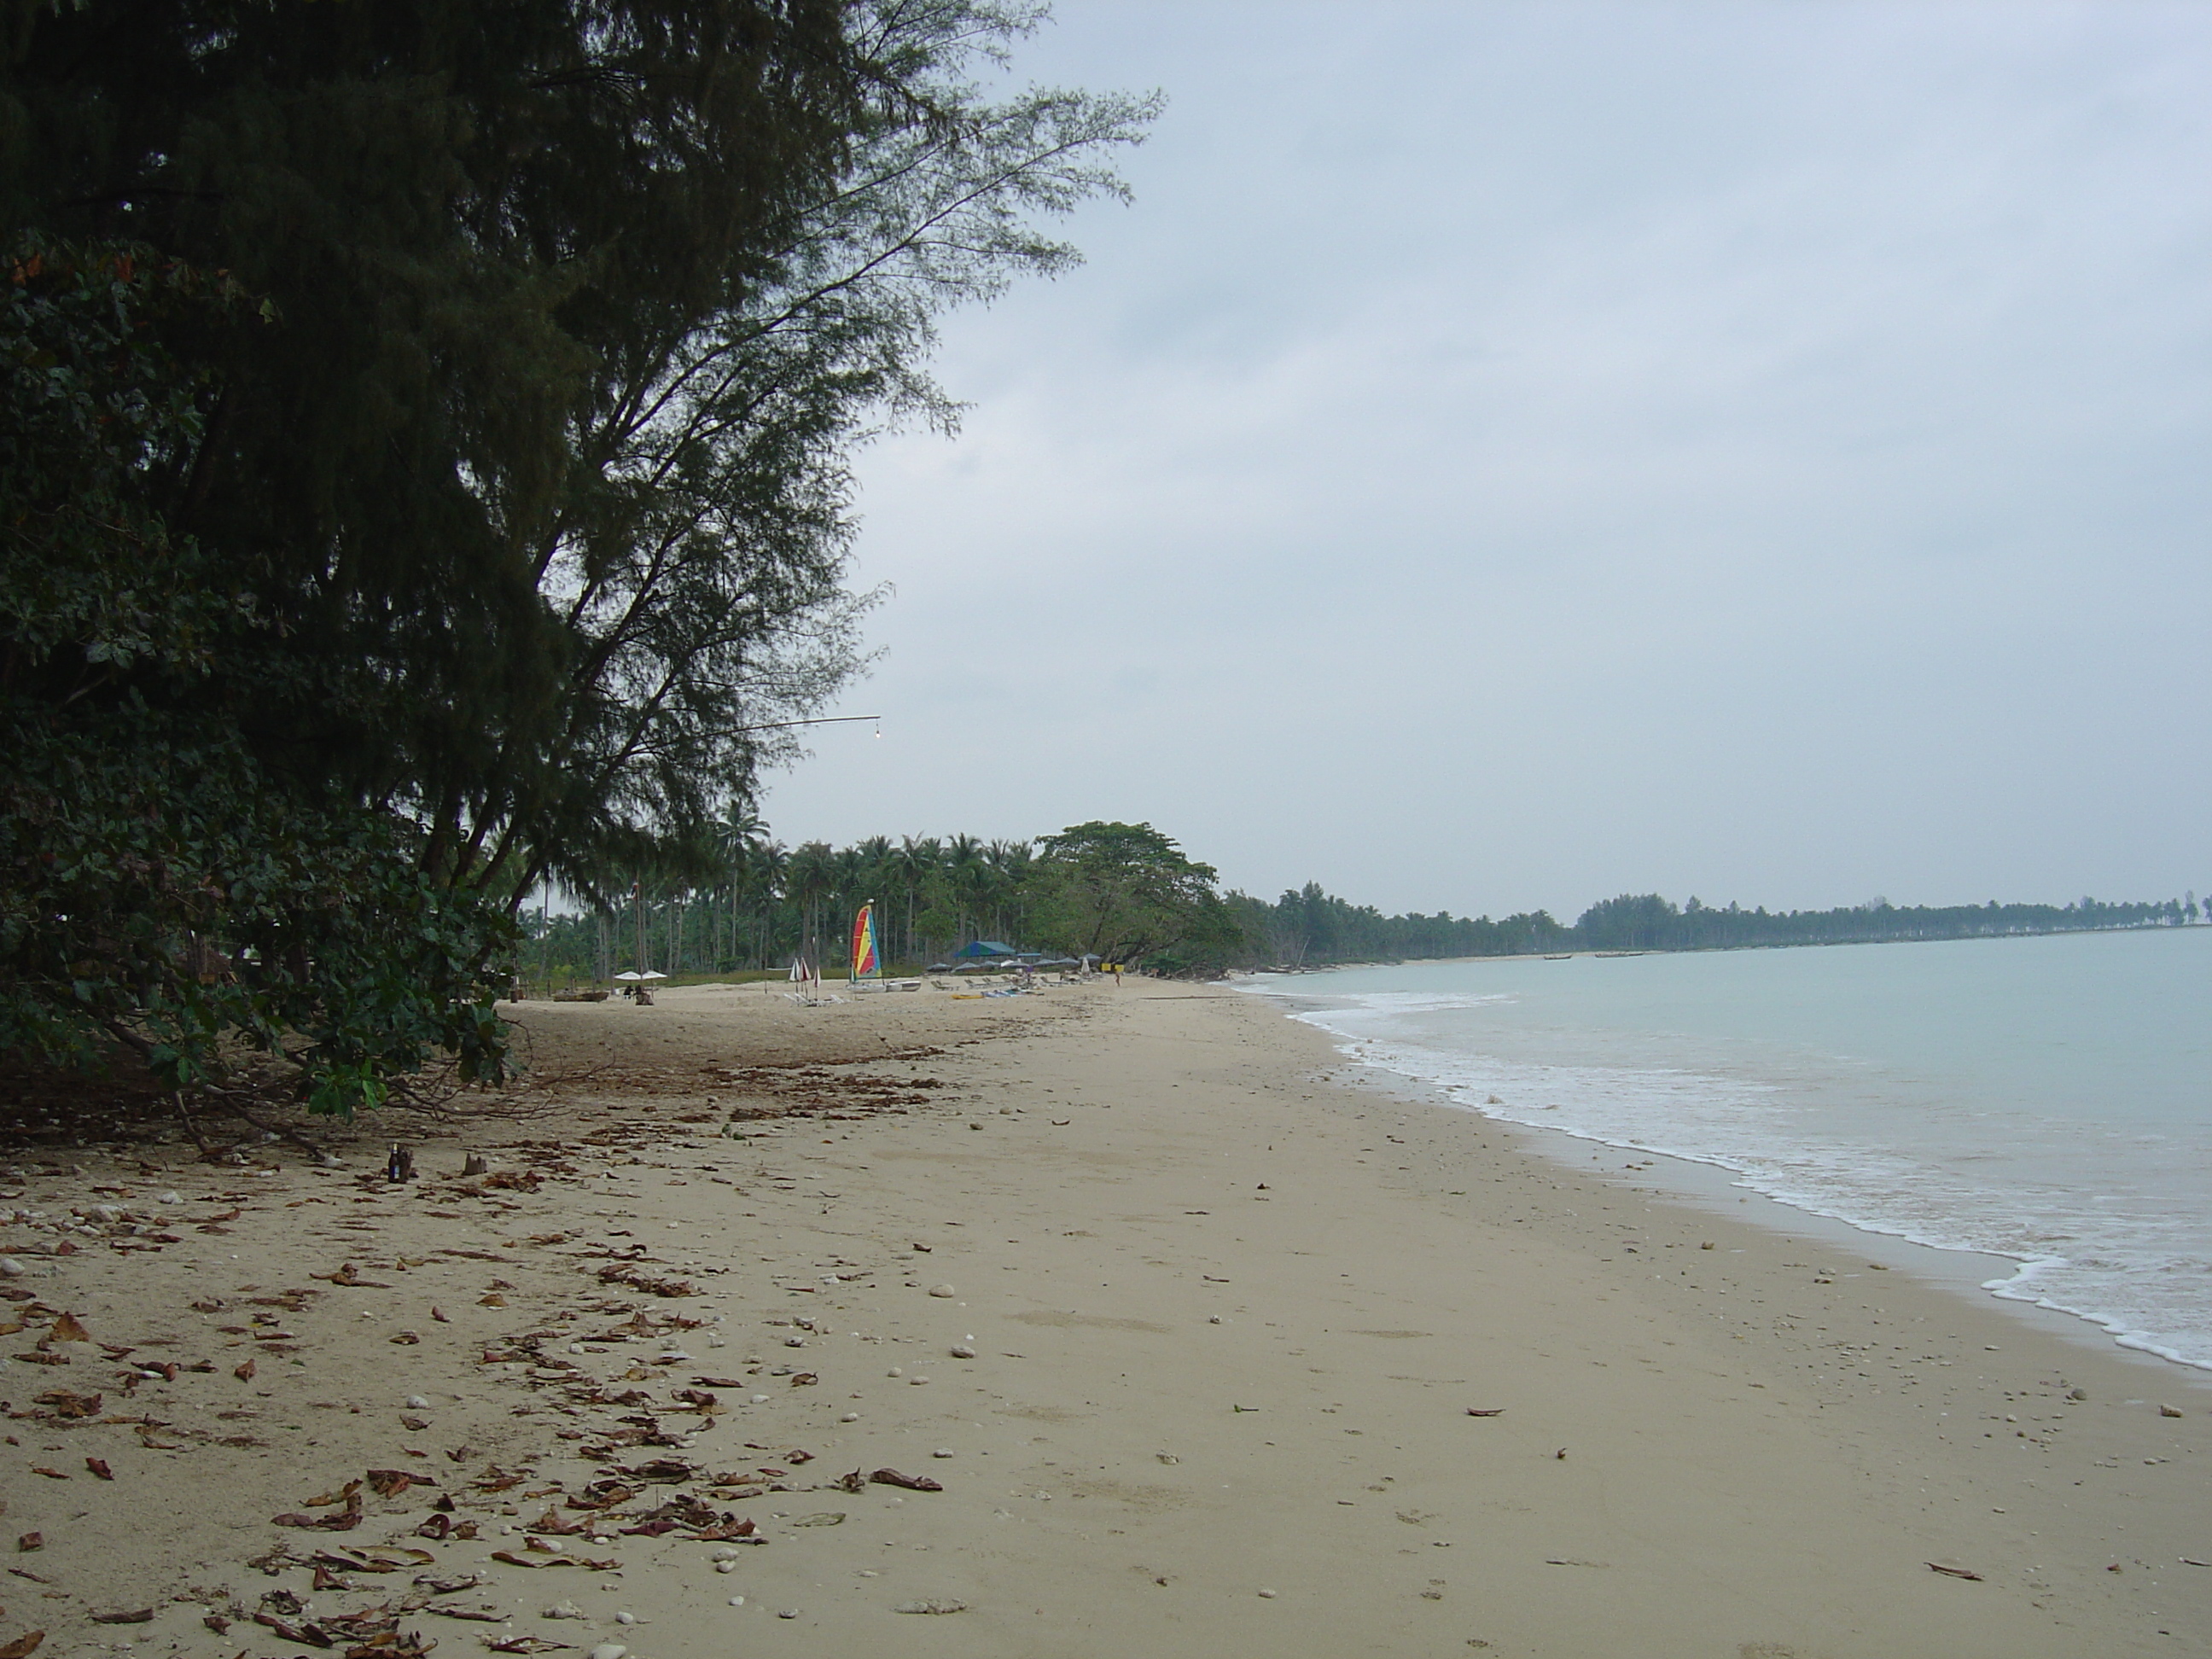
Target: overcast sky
[(1511, 454)]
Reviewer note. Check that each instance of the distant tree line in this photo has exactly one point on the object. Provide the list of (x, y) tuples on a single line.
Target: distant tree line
[(1116, 891), (1309, 927), (1128, 893)]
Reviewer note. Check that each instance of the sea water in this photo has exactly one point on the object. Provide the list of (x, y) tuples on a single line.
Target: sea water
[(2046, 1099)]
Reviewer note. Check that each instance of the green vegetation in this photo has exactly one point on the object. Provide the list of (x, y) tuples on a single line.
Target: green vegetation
[(1120, 891), (423, 473), (1311, 928), (1126, 893)]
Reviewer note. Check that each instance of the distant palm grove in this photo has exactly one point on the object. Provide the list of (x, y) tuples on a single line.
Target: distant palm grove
[(1126, 893)]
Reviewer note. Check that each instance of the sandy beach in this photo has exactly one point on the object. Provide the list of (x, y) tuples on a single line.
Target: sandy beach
[(1098, 1322)]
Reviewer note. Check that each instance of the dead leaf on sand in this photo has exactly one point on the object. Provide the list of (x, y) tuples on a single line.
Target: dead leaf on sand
[(244, 1373), (910, 1482), (66, 1404), (67, 1329), (23, 1646), (349, 1277), (1950, 1572), (99, 1466), (31, 1540), (345, 1494), (1485, 1411), (390, 1483), (528, 1644), (143, 1616)]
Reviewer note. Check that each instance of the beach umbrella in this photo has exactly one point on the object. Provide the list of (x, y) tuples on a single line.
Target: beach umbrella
[(632, 973)]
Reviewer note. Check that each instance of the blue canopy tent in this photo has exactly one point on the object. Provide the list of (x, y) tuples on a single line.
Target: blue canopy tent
[(985, 949)]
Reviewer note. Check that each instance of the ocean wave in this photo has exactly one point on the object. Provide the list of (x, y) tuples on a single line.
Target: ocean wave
[(2140, 1272)]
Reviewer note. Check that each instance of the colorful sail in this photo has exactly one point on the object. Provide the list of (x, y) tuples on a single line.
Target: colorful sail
[(866, 963)]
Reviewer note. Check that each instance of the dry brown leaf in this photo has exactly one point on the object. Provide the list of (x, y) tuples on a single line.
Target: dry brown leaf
[(67, 1329), (31, 1540), (244, 1373), (23, 1646), (99, 1466)]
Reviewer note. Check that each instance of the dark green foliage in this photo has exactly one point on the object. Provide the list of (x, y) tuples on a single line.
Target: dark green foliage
[(433, 420), (156, 893), (159, 889), (1125, 892)]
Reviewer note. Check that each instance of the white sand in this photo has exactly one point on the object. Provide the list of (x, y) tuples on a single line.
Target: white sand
[(1228, 1322)]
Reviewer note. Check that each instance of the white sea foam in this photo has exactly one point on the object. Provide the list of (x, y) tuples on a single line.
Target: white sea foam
[(2090, 1210)]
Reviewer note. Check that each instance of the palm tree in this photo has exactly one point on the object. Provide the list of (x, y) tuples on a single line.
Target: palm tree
[(1011, 860), (733, 838), (810, 878), (851, 871), (768, 871), (964, 862), (905, 865)]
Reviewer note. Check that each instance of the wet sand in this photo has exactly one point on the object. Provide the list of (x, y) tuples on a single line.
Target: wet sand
[(1226, 1322)]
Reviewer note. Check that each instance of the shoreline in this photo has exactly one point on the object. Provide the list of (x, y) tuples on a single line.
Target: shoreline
[(1714, 1187), (1189, 1335), (2043, 1286)]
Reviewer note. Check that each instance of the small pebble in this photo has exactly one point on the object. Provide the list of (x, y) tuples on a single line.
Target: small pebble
[(931, 1607), (9, 1267), (416, 1402), (625, 1618), (610, 1651), (942, 1451), (673, 1357), (787, 1613), (794, 1342), (726, 1566), (895, 1370), (1269, 1594), (942, 1290), (564, 1610), (760, 1400), (737, 1600), (962, 1350), (915, 1381), (171, 1198)]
